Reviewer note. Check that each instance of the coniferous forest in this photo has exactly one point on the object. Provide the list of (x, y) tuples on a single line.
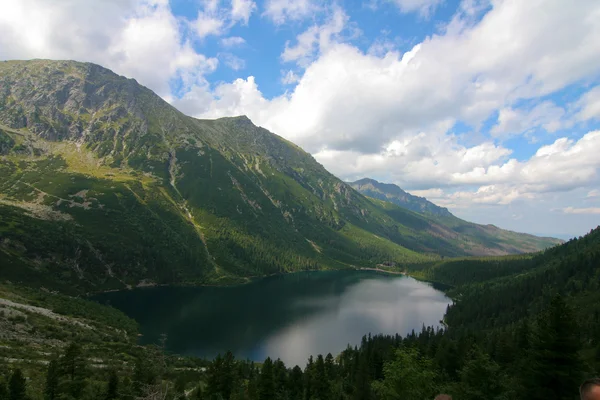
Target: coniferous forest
[(520, 328)]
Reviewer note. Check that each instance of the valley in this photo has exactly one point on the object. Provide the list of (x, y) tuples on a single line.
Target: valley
[(107, 190)]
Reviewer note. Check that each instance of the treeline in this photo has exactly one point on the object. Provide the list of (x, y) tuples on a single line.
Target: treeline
[(520, 328), (538, 359)]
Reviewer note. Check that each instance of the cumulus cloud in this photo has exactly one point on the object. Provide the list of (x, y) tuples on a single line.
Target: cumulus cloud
[(280, 11), (378, 112), (207, 24), (137, 38), (316, 38), (347, 99), (589, 105), (215, 19), (242, 9), (289, 78), (515, 121)]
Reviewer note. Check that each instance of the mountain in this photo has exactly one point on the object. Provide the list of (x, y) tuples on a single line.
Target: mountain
[(484, 234), (394, 194), (104, 185)]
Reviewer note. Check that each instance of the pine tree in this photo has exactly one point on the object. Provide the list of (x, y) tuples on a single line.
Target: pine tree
[(72, 371), (229, 376), (213, 379), (308, 378), (266, 386), (17, 386), (408, 377), (199, 394), (330, 367), (52, 376), (3, 390), (280, 379), (321, 383), (480, 378), (296, 384), (555, 366), (362, 386), (112, 388), (72, 363)]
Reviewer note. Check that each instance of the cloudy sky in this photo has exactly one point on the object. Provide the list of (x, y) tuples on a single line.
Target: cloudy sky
[(491, 108)]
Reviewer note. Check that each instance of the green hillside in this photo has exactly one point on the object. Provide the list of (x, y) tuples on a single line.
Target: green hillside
[(104, 185), (482, 239)]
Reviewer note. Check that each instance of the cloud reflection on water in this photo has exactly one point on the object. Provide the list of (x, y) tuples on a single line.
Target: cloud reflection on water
[(288, 316), (373, 305)]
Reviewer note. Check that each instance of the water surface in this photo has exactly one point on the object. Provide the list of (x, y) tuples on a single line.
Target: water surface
[(287, 316)]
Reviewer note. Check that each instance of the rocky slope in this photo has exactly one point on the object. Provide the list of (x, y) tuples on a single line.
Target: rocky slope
[(395, 194), (104, 185)]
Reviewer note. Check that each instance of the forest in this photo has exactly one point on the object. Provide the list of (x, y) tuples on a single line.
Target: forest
[(520, 328)]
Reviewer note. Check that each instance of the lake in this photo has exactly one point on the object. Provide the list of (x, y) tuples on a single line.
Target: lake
[(286, 316)]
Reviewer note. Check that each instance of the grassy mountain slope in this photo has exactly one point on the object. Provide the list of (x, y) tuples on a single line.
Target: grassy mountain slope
[(484, 239), (104, 185)]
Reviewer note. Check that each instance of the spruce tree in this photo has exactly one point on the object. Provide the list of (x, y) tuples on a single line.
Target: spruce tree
[(555, 365), (308, 378), (321, 383), (52, 376), (3, 390), (296, 384), (329, 367), (112, 387), (480, 378), (72, 371), (17, 386), (280, 379), (266, 385)]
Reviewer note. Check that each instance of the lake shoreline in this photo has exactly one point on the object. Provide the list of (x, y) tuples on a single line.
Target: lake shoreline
[(244, 280), (283, 317)]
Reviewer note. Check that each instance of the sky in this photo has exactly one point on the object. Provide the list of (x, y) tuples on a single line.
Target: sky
[(489, 108)]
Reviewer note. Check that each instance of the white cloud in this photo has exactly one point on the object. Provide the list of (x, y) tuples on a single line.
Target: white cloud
[(242, 9), (232, 61), (387, 115), (589, 105), (280, 11), (207, 24), (588, 210), (430, 194), (137, 38), (214, 19), (289, 78), (232, 41), (378, 113), (347, 99), (515, 121), (424, 7), (315, 38)]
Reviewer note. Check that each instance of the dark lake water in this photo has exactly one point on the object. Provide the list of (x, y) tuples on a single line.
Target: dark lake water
[(287, 316)]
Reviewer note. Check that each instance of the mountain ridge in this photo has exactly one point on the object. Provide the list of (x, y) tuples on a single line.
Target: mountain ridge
[(395, 194), (105, 185)]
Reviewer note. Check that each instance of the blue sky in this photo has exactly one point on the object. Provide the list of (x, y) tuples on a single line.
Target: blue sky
[(490, 108)]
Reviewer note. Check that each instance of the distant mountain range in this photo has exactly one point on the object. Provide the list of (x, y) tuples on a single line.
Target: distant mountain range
[(104, 185), (394, 194)]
